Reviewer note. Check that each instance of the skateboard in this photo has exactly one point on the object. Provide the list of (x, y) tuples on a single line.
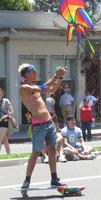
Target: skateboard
[(71, 190), (64, 190)]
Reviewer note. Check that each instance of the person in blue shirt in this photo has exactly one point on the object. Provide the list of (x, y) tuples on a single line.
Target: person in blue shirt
[(74, 145)]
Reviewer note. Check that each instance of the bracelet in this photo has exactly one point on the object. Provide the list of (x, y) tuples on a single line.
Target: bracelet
[(42, 87)]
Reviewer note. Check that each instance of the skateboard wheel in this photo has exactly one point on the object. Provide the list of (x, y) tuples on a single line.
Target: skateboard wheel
[(24, 195)]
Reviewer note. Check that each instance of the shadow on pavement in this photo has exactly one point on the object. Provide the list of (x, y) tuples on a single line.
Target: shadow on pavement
[(40, 197), (47, 197)]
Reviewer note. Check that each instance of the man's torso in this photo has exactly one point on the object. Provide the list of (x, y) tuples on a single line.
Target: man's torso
[(35, 104), (66, 99)]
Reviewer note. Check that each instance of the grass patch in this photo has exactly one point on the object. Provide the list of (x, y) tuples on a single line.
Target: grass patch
[(25, 155), (11, 156), (96, 149)]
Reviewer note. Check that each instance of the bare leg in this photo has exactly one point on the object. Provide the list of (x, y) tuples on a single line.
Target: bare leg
[(59, 148), (59, 145), (6, 144), (56, 124), (31, 163), (30, 168), (44, 152), (2, 135), (52, 164), (52, 159), (69, 151)]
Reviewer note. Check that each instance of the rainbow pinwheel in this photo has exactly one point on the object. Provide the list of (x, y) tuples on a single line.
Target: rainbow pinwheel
[(73, 11)]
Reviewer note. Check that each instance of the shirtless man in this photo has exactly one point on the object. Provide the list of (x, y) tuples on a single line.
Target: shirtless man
[(42, 125)]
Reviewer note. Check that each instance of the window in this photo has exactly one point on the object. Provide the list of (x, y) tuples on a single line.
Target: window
[(57, 61), (2, 60), (40, 64), (3, 84)]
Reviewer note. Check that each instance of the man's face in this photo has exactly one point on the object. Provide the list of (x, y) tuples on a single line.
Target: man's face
[(31, 75), (71, 123)]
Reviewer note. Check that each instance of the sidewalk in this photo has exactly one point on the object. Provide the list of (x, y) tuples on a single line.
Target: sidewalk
[(19, 136), (96, 132)]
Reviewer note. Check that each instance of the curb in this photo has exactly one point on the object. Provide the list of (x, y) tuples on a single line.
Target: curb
[(19, 140), (95, 133), (23, 161), (17, 161)]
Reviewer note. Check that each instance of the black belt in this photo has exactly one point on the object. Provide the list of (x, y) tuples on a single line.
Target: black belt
[(43, 123)]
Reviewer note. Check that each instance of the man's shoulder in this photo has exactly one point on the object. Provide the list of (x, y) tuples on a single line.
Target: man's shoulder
[(23, 86), (91, 97), (48, 99), (64, 129), (27, 87), (62, 95), (77, 128), (6, 101)]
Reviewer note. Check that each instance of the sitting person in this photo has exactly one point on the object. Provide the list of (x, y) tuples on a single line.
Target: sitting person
[(74, 145)]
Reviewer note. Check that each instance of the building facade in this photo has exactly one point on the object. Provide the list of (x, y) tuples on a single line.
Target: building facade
[(40, 39)]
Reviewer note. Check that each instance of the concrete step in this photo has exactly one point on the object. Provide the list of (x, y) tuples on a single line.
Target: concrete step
[(96, 132)]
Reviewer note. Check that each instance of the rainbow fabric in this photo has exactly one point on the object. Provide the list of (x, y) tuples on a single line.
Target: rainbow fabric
[(73, 11), (82, 17), (68, 9)]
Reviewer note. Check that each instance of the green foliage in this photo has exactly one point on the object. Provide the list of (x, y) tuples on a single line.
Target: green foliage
[(53, 5), (15, 5), (97, 149), (93, 7), (47, 5), (42, 5)]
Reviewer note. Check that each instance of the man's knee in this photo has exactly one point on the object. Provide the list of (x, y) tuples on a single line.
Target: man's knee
[(34, 154), (50, 149)]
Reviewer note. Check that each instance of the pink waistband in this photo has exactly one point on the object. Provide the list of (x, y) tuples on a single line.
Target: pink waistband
[(38, 121)]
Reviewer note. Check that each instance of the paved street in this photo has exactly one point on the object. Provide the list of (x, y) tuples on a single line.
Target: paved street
[(85, 173)]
